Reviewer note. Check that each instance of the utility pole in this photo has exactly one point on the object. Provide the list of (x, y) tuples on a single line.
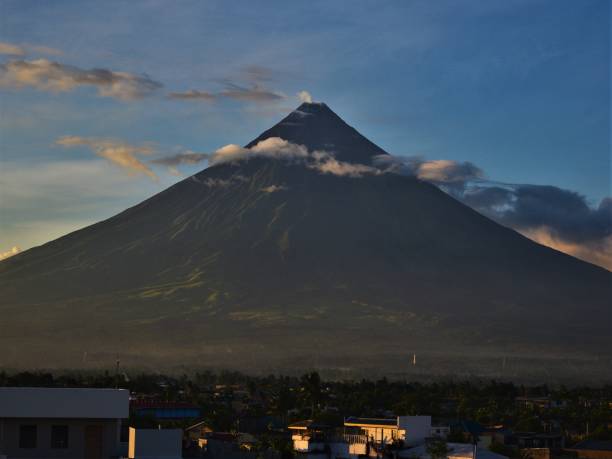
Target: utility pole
[(117, 374)]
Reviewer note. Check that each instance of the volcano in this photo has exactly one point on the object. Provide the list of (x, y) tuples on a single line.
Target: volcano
[(266, 263)]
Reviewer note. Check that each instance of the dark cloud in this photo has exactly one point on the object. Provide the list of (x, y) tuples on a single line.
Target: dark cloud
[(490, 198), (565, 213), (559, 218)]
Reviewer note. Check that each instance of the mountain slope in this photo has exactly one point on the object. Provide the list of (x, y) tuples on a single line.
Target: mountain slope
[(270, 263)]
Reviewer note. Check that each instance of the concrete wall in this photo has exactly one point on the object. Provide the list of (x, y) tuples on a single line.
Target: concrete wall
[(64, 403), (155, 443), (9, 438), (417, 428)]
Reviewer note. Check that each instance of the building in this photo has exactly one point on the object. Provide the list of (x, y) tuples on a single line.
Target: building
[(157, 409), (360, 436), (440, 430), (155, 444), (536, 440), (592, 449), (62, 423), (409, 430), (540, 403)]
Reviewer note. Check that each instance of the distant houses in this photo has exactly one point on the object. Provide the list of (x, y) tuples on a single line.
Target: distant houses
[(158, 409), (87, 423), (402, 436)]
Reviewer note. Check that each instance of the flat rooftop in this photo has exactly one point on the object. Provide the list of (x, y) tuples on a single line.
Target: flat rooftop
[(47, 402), (376, 422)]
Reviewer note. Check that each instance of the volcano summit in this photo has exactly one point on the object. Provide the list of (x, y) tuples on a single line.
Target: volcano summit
[(296, 251)]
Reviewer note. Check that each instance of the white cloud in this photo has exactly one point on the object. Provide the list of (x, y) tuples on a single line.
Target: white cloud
[(304, 96), (439, 171), (11, 49), (46, 75), (447, 171), (327, 164), (119, 153), (275, 147), (9, 253), (272, 147), (274, 188)]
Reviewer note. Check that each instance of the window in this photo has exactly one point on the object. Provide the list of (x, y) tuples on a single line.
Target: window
[(27, 437), (59, 437)]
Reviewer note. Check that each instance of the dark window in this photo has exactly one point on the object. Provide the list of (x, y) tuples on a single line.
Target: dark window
[(59, 436), (27, 436), (124, 433)]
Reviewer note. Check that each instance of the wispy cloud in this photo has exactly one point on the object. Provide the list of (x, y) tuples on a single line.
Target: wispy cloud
[(193, 95), (119, 153), (188, 157), (46, 75), (12, 49), (274, 188), (251, 88), (255, 93), (9, 253)]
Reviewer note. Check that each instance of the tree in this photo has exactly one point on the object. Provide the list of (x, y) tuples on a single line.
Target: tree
[(437, 449)]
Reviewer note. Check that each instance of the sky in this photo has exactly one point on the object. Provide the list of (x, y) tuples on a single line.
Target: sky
[(93, 96)]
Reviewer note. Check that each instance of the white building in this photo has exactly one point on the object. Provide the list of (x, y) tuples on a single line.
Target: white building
[(409, 430), (47, 423), (359, 436)]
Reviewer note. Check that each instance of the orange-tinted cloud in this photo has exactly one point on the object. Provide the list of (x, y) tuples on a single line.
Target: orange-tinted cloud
[(119, 153), (597, 252)]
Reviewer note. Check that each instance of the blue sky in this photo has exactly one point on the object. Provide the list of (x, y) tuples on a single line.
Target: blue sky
[(519, 88)]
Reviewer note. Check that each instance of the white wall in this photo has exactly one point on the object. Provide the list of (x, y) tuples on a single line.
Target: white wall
[(417, 428)]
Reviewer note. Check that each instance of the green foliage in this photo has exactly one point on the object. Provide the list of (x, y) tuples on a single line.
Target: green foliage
[(437, 449)]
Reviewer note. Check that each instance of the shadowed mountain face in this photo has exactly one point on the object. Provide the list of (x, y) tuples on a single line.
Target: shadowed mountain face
[(265, 264)]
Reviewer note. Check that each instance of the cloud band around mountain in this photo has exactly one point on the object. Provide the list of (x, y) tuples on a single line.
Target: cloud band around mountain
[(556, 217)]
